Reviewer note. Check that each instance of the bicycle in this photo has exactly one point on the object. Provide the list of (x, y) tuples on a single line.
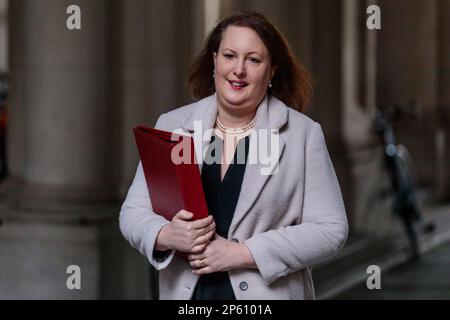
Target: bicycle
[(400, 168)]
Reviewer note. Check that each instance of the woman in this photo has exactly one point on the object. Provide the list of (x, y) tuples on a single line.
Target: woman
[(265, 231)]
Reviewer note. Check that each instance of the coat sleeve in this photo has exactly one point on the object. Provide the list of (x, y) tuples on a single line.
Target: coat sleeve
[(139, 225), (323, 229)]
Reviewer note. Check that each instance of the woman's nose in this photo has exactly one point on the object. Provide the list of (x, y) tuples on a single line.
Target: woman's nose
[(239, 69)]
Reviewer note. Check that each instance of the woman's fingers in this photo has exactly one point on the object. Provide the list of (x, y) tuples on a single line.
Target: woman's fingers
[(202, 223), (199, 248), (195, 256), (199, 263), (183, 215), (202, 232), (204, 270), (205, 238), (212, 226)]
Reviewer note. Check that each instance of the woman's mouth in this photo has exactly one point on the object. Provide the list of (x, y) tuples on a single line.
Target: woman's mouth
[(238, 85)]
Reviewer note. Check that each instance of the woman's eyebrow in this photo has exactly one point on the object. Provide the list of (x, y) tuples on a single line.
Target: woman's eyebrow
[(251, 52)]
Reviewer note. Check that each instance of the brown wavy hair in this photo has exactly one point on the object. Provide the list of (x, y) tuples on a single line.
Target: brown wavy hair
[(291, 82)]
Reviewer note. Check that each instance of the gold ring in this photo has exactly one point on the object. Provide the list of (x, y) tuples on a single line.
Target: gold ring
[(202, 263)]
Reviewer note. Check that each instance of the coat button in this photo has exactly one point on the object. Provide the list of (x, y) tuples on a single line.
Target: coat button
[(243, 286), (235, 240)]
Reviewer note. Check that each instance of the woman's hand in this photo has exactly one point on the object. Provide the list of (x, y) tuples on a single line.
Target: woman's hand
[(184, 235), (221, 255)]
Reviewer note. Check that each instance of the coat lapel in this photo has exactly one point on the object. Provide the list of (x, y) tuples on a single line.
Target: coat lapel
[(199, 123), (272, 114)]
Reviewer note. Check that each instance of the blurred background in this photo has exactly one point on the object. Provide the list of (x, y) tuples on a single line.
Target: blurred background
[(69, 100)]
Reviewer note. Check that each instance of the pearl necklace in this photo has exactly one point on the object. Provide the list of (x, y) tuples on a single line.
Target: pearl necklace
[(242, 129)]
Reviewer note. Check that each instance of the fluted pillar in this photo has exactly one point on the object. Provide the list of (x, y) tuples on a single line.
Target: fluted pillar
[(3, 35), (345, 73), (408, 77), (56, 206), (58, 134), (155, 43), (443, 134)]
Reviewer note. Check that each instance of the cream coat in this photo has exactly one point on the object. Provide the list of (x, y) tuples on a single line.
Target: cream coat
[(290, 220)]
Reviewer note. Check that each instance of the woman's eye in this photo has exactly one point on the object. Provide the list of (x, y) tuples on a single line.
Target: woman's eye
[(228, 56), (255, 60)]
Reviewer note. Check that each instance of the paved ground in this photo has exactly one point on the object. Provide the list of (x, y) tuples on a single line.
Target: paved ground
[(427, 278)]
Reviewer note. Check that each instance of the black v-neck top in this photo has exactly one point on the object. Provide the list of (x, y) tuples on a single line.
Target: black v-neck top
[(221, 197)]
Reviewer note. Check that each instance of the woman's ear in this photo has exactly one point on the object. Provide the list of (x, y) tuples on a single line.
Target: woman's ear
[(215, 62), (273, 70), (215, 59)]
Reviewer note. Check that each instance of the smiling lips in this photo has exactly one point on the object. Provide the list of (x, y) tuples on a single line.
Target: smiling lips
[(238, 85)]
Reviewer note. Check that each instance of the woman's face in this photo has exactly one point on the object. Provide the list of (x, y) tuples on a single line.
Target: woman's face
[(242, 69)]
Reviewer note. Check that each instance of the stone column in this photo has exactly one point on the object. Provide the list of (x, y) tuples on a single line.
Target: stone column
[(443, 134), (59, 81), (363, 157), (408, 77), (154, 45), (56, 206), (3, 35), (344, 70)]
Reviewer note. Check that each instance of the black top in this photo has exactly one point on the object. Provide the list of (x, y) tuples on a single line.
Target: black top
[(221, 197)]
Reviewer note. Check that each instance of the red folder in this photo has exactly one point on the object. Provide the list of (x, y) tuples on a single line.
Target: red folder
[(172, 187)]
